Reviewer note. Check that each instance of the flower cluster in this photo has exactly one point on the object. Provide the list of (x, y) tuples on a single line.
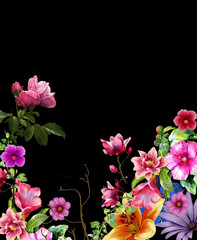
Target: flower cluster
[(160, 193), (21, 220)]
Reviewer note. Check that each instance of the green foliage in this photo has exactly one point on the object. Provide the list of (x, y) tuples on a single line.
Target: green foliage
[(98, 230), (111, 219), (4, 115), (130, 209), (40, 135), (178, 135), (58, 231), (164, 147), (54, 129), (22, 177), (35, 221), (136, 181), (189, 184), (165, 180)]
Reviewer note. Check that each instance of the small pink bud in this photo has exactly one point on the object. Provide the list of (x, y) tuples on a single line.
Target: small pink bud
[(129, 150), (159, 129), (113, 169), (18, 86), (157, 136)]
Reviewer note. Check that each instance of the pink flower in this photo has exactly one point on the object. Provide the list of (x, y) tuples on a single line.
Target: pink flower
[(44, 91), (116, 145), (12, 225), (178, 204), (41, 234), (113, 169), (185, 119), (28, 98), (27, 199), (183, 159), (146, 194), (18, 86), (148, 164), (59, 208), (3, 177), (110, 195)]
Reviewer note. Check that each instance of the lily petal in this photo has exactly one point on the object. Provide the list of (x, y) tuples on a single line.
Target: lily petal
[(123, 231), (146, 231)]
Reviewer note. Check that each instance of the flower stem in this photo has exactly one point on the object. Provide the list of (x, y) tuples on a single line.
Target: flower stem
[(119, 166)]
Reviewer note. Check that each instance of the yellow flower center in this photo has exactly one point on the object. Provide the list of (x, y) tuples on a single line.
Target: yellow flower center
[(192, 225), (179, 204), (186, 121), (13, 229), (151, 162), (184, 159), (59, 209)]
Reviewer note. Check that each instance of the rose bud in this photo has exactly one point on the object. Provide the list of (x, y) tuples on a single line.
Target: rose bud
[(113, 169)]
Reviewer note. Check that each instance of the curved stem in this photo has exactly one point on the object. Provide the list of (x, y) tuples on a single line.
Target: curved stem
[(119, 166)]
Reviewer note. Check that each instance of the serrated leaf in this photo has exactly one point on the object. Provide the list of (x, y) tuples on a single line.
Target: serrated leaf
[(36, 221), (165, 180), (136, 181), (40, 135), (58, 231), (29, 117), (13, 124), (189, 184)]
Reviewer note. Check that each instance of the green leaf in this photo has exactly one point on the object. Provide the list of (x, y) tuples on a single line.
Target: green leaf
[(95, 224), (189, 184), (2, 164), (58, 231), (130, 209), (22, 177), (54, 129), (40, 135), (28, 133), (111, 219), (168, 129), (178, 135), (4, 115), (163, 147), (106, 211), (165, 180), (29, 117), (23, 122), (36, 221), (136, 181), (44, 211), (13, 124)]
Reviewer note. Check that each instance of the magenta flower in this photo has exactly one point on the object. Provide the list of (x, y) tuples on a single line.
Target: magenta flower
[(116, 145), (183, 159), (13, 155), (12, 225), (44, 91), (18, 86), (146, 194), (27, 199), (148, 164), (110, 195), (41, 234), (3, 177), (59, 208), (178, 204), (185, 119)]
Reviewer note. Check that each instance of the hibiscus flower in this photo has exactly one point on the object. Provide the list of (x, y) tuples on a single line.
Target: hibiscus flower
[(185, 119), (183, 159)]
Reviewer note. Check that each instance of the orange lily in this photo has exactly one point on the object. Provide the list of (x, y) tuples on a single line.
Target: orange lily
[(135, 226)]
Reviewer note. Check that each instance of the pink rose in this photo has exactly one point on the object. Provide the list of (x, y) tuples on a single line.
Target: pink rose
[(18, 86), (28, 98), (44, 91)]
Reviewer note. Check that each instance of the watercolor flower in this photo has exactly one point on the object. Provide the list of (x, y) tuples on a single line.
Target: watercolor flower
[(178, 204), (18, 86), (44, 91), (13, 155), (182, 225), (110, 195), (183, 159), (113, 169), (116, 145), (3, 177), (135, 225), (146, 194), (41, 234), (28, 98), (27, 199), (12, 225), (148, 164), (185, 119), (59, 208)]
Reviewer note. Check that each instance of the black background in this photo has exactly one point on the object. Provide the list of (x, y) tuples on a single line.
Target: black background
[(110, 75)]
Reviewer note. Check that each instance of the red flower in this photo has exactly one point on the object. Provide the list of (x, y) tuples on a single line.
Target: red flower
[(3, 176), (185, 119)]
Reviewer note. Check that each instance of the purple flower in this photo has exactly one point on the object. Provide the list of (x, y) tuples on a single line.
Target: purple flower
[(13, 155), (59, 208), (178, 204), (182, 225)]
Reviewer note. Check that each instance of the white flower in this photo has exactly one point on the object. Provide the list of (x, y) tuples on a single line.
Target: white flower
[(194, 172)]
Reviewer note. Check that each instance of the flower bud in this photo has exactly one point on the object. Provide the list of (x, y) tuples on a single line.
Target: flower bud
[(18, 86), (117, 185), (129, 151), (113, 169), (159, 129)]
